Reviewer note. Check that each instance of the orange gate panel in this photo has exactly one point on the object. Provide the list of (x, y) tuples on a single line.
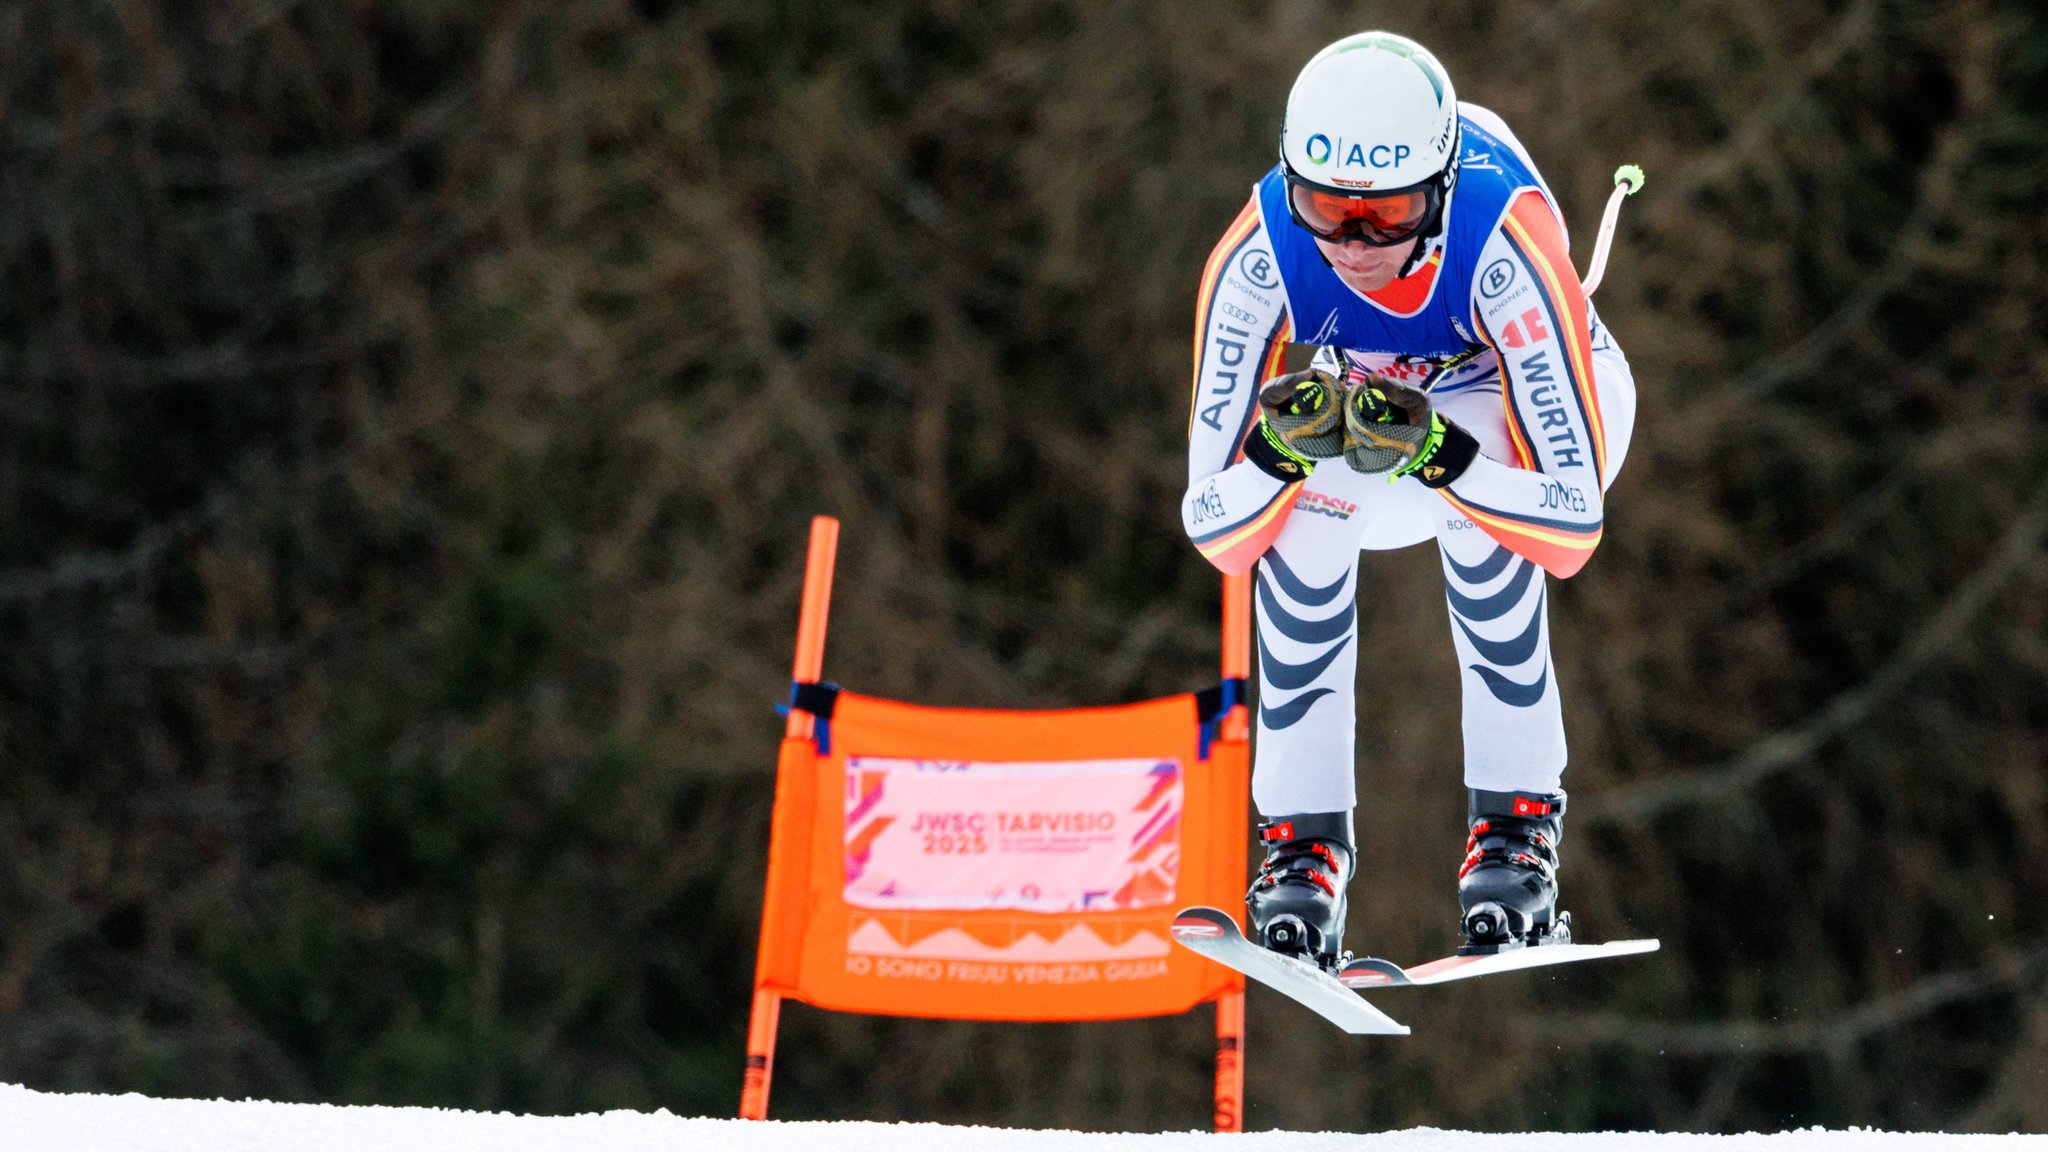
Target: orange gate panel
[(1000, 865)]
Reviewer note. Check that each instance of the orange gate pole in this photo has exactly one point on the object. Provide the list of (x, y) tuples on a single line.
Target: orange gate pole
[(1237, 663), (766, 1016), (1230, 1060), (1237, 648), (761, 1025)]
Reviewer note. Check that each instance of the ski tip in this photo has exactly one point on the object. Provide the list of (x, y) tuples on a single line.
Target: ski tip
[(1203, 923), (1371, 972)]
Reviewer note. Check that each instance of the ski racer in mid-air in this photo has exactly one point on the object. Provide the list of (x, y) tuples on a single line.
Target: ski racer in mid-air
[(1464, 391)]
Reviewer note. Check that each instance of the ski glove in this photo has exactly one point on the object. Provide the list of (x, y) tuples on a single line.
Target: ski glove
[(1301, 421), (1391, 428)]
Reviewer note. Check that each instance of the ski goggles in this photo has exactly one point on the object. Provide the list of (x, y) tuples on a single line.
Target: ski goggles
[(1381, 219)]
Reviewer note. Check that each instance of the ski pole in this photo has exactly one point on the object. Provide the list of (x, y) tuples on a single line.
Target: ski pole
[(1627, 180)]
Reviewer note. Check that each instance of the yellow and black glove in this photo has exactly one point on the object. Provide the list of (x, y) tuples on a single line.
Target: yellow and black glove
[(1391, 429), (1301, 422)]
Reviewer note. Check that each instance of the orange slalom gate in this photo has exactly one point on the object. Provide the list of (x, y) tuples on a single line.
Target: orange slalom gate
[(1000, 865)]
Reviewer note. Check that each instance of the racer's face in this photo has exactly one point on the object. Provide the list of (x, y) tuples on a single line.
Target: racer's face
[(1364, 267)]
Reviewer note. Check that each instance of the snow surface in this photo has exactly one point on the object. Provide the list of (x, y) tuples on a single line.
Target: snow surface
[(48, 1122)]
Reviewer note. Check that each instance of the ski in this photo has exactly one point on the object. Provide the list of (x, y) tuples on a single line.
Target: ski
[(1371, 972), (1212, 933)]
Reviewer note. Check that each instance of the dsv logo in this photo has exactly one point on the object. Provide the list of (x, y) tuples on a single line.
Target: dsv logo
[(1257, 266)]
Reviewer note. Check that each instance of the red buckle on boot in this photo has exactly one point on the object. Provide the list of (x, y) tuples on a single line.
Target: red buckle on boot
[(1281, 831)]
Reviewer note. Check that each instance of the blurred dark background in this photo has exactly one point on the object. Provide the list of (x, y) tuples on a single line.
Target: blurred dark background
[(412, 412)]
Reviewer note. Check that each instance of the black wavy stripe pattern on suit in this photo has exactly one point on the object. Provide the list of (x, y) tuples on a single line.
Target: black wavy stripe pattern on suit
[(1279, 674), (1477, 609)]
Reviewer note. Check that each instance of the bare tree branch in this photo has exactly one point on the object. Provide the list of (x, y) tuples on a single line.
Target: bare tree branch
[(1936, 188), (1936, 194), (2017, 1082), (1868, 511), (1768, 1037), (98, 567), (1852, 29), (1793, 746)]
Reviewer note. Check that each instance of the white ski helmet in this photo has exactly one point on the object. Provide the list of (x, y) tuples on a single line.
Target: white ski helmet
[(1371, 116)]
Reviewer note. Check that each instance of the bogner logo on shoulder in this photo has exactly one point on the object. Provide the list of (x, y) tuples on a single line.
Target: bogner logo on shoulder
[(1322, 150)]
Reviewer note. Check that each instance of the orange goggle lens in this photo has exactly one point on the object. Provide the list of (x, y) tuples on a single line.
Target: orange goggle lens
[(1386, 219)]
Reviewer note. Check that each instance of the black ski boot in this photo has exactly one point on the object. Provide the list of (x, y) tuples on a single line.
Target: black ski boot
[(1296, 906), (1508, 885)]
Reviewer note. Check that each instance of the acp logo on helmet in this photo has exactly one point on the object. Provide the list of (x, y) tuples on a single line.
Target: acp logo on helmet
[(1321, 150)]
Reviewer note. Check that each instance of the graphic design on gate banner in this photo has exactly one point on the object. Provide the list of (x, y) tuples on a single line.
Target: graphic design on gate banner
[(942, 936), (1051, 836)]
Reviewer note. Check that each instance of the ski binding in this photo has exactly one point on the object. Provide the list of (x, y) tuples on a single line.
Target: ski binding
[(1211, 932)]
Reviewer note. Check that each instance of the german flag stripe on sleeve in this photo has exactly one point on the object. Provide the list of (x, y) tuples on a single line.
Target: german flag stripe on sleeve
[(1276, 356), (1562, 548), (1518, 433), (1212, 275), (1533, 232), (1276, 348), (1236, 548)]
